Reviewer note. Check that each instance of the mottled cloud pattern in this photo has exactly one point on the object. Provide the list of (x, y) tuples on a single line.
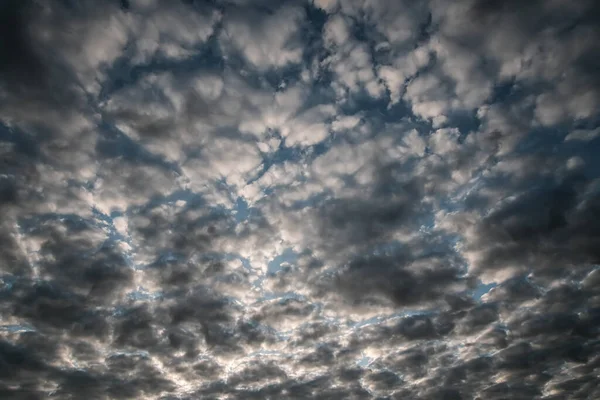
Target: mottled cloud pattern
[(324, 199)]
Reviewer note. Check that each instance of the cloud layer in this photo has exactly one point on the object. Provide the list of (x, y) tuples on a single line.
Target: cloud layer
[(302, 199)]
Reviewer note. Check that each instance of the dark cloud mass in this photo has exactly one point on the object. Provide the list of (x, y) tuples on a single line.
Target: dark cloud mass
[(324, 199)]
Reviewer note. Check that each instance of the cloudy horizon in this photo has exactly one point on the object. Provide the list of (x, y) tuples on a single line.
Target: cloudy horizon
[(300, 199)]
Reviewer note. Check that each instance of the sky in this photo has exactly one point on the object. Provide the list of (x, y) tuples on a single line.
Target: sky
[(303, 199)]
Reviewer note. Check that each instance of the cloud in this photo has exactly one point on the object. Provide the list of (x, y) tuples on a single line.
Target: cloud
[(170, 30), (349, 60), (543, 229), (326, 199), (584, 135), (266, 41)]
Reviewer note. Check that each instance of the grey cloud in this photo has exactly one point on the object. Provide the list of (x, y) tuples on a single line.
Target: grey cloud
[(514, 291), (27, 71), (314, 332), (382, 380), (77, 291), (545, 228), (479, 317), (257, 374), (135, 328), (181, 230), (394, 278), (236, 199), (37, 377), (351, 221), (285, 308)]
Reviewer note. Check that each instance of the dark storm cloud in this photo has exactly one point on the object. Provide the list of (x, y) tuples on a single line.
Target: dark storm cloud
[(256, 374), (547, 228), (30, 366), (22, 366), (514, 291), (24, 69), (356, 222), (313, 332), (193, 322), (404, 279), (36, 77), (360, 235), (83, 282), (66, 261), (181, 231), (537, 343), (285, 308), (73, 284)]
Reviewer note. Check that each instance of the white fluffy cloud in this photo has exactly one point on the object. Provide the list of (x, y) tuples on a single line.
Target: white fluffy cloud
[(266, 41)]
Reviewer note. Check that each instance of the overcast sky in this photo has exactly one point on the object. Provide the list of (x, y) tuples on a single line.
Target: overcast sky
[(311, 199)]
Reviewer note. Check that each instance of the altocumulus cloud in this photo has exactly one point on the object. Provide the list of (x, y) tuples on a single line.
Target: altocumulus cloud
[(318, 199)]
